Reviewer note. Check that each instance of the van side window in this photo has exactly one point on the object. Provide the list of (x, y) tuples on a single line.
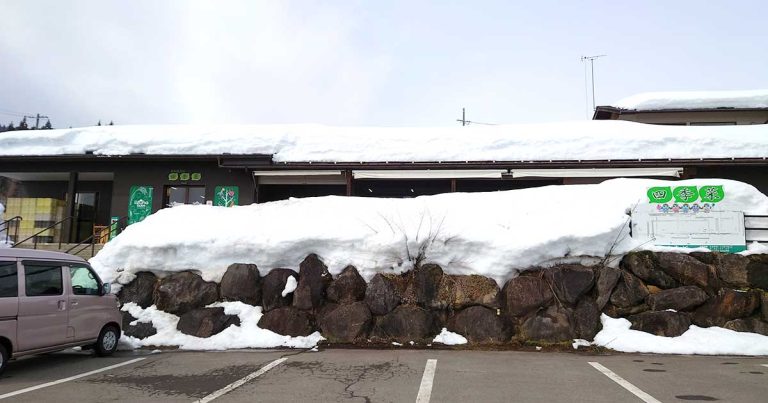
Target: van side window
[(83, 281), (43, 280), (9, 280)]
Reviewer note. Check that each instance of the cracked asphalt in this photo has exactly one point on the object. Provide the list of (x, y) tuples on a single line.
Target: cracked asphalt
[(393, 375)]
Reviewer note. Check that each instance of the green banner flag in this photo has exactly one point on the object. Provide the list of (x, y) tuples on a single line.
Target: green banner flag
[(139, 203), (226, 196)]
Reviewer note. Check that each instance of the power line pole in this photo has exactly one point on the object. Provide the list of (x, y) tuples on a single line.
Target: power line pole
[(592, 67), (37, 119), (463, 119)]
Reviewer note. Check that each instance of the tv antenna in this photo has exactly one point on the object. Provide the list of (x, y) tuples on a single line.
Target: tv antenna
[(592, 68)]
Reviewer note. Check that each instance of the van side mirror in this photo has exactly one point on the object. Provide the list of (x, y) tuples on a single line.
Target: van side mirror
[(106, 288)]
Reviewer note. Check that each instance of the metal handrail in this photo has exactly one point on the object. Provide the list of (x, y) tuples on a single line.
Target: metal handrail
[(7, 224), (40, 232), (91, 240)]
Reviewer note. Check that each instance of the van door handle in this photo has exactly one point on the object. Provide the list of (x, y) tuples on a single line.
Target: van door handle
[(73, 302), (62, 305)]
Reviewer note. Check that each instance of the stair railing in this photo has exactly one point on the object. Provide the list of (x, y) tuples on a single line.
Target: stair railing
[(91, 241), (5, 227), (33, 237)]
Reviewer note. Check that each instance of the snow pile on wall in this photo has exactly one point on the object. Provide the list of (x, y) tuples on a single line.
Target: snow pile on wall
[(649, 101), (617, 335), (585, 140), (493, 234)]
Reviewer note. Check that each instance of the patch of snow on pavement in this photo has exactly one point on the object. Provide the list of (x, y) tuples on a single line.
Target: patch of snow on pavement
[(290, 286), (247, 335), (449, 338), (617, 335)]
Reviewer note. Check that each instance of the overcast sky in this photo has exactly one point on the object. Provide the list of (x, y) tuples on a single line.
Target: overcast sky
[(383, 63)]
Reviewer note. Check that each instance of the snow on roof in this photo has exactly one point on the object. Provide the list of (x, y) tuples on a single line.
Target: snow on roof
[(583, 140), (650, 101)]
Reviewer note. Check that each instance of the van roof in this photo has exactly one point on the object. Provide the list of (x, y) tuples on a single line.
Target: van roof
[(38, 254)]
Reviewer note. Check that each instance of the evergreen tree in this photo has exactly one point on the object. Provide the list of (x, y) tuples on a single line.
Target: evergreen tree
[(99, 124), (10, 127), (47, 125), (2, 128), (23, 125), (111, 123)]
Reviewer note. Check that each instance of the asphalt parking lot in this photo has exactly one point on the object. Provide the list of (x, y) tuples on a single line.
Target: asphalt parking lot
[(397, 375)]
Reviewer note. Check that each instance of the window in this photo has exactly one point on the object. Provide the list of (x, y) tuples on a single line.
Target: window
[(9, 280), (43, 280), (83, 281), (176, 195)]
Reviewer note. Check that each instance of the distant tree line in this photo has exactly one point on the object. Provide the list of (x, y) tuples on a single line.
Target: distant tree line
[(24, 126)]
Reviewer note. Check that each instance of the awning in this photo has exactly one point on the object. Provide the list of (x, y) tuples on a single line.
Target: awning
[(429, 174), (297, 173), (596, 172)]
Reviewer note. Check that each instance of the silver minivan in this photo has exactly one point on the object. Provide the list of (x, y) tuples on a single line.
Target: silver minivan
[(51, 301)]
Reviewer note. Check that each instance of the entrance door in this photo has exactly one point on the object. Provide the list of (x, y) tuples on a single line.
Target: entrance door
[(179, 194), (43, 312), (85, 211)]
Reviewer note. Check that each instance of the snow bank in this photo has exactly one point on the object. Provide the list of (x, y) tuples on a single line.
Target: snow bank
[(649, 101), (584, 140), (449, 338), (493, 234), (247, 335), (617, 335)]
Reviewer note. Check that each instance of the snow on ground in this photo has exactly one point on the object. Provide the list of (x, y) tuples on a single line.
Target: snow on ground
[(493, 234), (449, 338), (583, 140), (290, 286), (695, 100), (617, 335), (247, 335)]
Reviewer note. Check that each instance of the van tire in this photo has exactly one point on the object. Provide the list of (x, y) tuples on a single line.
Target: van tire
[(4, 356), (106, 344)]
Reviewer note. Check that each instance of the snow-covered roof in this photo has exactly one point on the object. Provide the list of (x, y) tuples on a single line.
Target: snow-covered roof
[(652, 101), (570, 141)]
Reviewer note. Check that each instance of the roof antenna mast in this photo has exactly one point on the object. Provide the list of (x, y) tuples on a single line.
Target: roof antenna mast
[(592, 68)]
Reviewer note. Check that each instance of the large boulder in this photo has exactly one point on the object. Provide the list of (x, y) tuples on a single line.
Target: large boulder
[(585, 319), (751, 325), (607, 278), (732, 269), (461, 291), (346, 323), (550, 325), (757, 271), (140, 290), (287, 321), (182, 292), (688, 270), (139, 330), (726, 305), (272, 286), (424, 285), (241, 282), (764, 305), (524, 294), (407, 323), (621, 312), (382, 295), (314, 279), (661, 323), (645, 266), (570, 281), (205, 322), (679, 299), (480, 325), (629, 291), (348, 287)]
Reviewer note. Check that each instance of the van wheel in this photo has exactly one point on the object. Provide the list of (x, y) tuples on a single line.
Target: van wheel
[(106, 344), (4, 358)]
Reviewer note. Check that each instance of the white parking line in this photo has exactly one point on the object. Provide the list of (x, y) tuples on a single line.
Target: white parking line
[(624, 384), (71, 378), (240, 382), (425, 390)]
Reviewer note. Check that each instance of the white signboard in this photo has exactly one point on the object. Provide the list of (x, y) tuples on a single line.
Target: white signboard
[(688, 216)]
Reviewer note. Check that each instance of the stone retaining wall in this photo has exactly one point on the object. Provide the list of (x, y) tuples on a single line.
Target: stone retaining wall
[(659, 293)]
